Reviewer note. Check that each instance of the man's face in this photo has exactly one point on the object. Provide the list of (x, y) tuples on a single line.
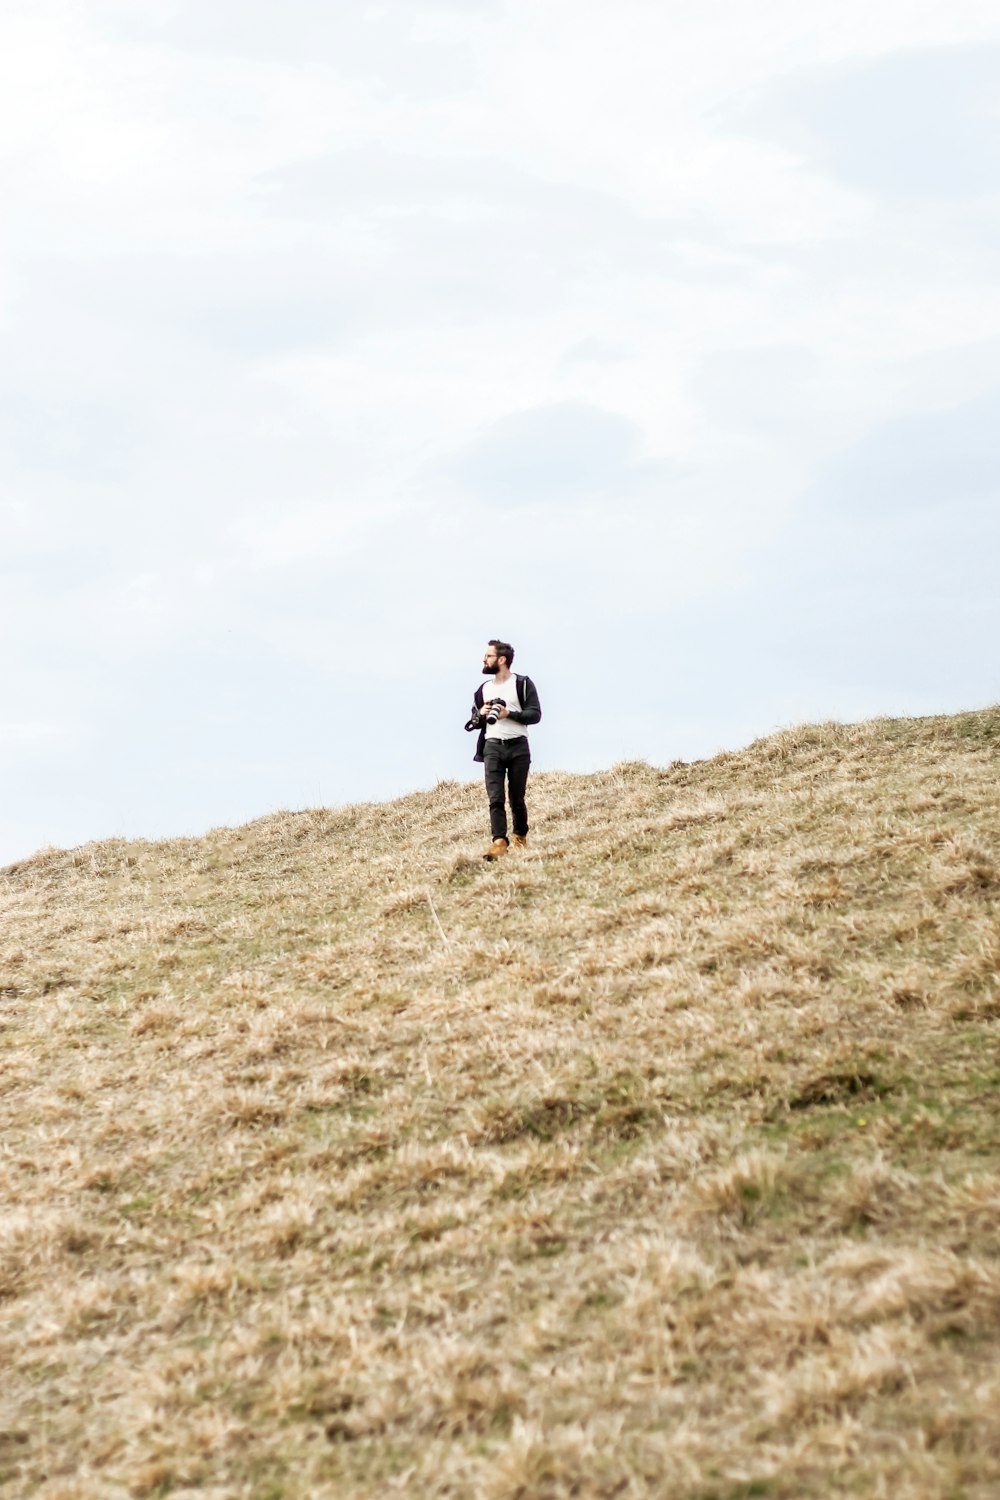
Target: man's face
[(490, 662)]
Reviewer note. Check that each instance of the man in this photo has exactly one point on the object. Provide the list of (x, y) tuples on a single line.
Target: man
[(502, 709)]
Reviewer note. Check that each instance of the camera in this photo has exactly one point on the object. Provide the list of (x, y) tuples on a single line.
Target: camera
[(487, 714)]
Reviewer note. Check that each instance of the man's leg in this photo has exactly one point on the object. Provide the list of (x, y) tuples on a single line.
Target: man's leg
[(494, 771), (517, 781)]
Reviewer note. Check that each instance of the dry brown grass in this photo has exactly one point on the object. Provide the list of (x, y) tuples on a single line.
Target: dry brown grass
[(660, 1160)]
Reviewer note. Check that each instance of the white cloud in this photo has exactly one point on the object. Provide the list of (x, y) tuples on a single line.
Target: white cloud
[(17, 737)]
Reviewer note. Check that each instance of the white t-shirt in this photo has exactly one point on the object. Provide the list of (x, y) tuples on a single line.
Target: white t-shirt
[(503, 729)]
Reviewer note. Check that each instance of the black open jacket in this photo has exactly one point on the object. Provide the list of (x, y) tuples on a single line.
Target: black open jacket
[(529, 713)]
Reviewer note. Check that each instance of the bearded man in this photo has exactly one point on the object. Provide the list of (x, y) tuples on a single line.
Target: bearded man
[(503, 707)]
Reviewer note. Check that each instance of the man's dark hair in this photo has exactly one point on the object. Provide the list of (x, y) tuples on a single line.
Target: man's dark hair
[(504, 648)]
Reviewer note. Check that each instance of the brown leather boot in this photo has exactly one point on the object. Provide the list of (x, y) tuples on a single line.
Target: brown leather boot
[(520, 840), (498, 847)]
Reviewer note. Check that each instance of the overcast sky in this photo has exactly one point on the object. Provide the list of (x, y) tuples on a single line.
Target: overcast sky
[(661, 337)]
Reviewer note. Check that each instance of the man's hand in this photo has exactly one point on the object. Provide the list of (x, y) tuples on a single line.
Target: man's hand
[(503, 711)]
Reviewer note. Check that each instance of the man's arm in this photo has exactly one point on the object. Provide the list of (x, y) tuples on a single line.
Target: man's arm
[(531, 710)]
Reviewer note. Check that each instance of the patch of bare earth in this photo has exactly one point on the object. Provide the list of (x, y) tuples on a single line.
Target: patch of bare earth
[(659, 1159)]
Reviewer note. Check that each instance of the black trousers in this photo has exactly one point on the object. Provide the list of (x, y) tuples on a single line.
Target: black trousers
[(510, 760)]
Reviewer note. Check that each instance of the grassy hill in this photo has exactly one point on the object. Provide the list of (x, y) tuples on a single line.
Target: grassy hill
[(658, 1160)]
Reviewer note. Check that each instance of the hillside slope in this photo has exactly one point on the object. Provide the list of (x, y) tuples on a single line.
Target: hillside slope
[(660, 1159)]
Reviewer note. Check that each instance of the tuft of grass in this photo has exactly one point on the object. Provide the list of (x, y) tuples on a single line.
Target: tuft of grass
[(659, 1158)]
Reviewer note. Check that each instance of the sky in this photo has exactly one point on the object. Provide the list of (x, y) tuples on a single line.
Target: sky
[(660, 338)]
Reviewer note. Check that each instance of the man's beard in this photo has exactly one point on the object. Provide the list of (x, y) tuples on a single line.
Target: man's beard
[(491, 670)]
